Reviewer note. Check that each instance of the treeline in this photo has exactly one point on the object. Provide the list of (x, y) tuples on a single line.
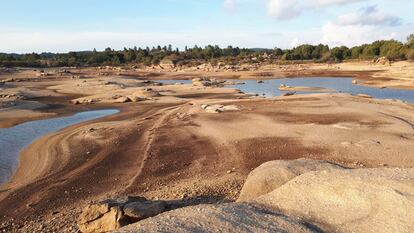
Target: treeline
[(392, 49)]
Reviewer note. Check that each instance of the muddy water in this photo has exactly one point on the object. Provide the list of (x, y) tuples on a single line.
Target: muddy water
[(15, 139)]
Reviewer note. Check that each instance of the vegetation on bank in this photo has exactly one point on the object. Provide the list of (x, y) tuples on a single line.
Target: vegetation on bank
[(392, 49)]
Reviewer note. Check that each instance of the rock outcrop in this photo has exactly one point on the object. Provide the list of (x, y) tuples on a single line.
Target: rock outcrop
[(233, 217), (364, 96), (218, 108), (112, 214), (272, 175), (206, 82), (145, 93), (349, 200), (280, 196)]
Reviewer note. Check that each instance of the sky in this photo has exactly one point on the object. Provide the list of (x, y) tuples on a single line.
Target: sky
[(78, 25)]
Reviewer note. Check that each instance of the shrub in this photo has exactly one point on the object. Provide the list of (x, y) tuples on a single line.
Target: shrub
[(410, 54)]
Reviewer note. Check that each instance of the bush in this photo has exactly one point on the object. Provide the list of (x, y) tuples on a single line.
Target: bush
[(410, 54), (326, 57)]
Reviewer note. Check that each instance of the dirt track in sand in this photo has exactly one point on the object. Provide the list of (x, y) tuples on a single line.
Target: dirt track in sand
[(170, 148)]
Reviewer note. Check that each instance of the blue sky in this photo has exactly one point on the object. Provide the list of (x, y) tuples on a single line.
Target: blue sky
[(67, 25)]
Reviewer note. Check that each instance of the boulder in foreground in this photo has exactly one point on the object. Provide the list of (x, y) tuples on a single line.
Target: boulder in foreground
[(112, 214), (281, 196), (355, 200), (232, 217), (271, 175)]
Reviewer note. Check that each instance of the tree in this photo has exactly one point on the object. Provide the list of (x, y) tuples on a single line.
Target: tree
[(392, 49), (341, 53), (410, 54), (319, 51), (410, 41)]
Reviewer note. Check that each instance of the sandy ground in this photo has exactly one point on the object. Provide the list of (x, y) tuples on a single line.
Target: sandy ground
[(168, 147)]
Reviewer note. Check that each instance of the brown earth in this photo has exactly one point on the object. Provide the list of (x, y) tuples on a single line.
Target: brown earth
[(168, 147)]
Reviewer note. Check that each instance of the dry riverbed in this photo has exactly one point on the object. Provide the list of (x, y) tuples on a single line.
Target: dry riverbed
[(186, 142)]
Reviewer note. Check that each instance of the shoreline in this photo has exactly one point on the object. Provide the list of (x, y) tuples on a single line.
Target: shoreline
[(54, 125)]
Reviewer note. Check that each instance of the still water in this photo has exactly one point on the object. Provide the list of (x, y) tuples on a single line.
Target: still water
[(13, 140), (270, 87)]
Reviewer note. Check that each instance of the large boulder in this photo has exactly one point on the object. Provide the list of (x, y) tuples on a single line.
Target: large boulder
[(122, 99), (101, 217), (206, 82), (234, 217), (217, 108), (137, 211), (271, 175), (145, 93), (349, 200), (112, 214)]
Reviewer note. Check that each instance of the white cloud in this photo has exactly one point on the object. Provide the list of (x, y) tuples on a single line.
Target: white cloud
[(364, 26), (289, 9), (334, 2), (230, 5), (282, 9), (369, 16)]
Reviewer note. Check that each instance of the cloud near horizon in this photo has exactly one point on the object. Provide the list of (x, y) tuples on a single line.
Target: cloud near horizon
[(369, 16), (285, 10), (363, 26), (243, 23)]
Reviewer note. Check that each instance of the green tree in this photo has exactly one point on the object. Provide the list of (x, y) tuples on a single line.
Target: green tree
[(410, 41)]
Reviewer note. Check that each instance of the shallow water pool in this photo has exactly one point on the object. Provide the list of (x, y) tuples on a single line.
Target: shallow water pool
[(270, 87), (13, 140)]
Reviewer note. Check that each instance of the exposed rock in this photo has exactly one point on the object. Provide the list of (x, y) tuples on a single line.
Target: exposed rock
[(229, 83), (137, 211), (122, 99), (260, 81), (42, 74), (112, 214), (75, 102), (9, 80), (283, 86), (146, 93), (204, 106), (234, 217), (212, 111), (289, 93), (271, 175), (364, 96), (349, 200), (134, 98), (230, 108), (206, 82), (101, 217), (217, 108), (354, 81)]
